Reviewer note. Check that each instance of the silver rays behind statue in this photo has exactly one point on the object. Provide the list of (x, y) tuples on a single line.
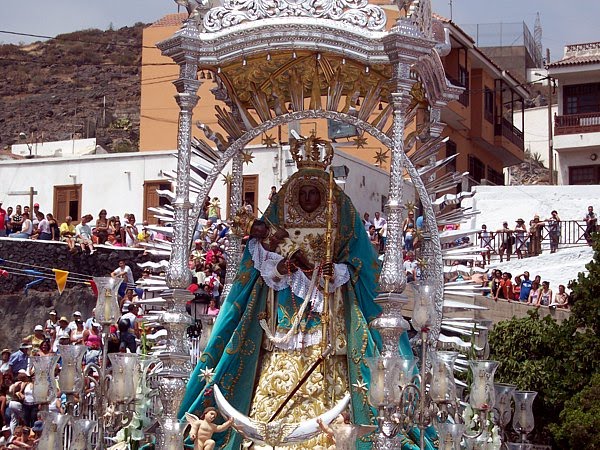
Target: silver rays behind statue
[(276, 433)]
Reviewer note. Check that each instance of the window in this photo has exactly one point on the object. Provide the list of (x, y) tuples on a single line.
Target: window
[(152, 199), (582, 98), (488, 111), (495, 177), (584, 175), (476, 168), (67, 202)]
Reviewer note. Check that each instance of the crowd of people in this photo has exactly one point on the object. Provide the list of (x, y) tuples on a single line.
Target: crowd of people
[(524, 289), (25, 224), (523, 241), (21, 424)]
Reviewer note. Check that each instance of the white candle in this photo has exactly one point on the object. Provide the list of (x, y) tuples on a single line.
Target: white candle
[(67, 378), (40, 389)]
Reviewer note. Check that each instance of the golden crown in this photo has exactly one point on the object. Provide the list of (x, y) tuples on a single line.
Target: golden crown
[(307, 152)]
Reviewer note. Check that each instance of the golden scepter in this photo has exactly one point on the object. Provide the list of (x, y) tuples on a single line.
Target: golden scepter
[(327, 265)]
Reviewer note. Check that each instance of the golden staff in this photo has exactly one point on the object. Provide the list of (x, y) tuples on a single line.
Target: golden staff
[(325, 318)]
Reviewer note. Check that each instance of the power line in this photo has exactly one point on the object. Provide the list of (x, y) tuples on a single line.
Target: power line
[(83, 63), (67, 39)]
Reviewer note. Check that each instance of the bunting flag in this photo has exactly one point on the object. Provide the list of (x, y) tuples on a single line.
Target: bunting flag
[(94, 287), (31, 284), (61, 279)]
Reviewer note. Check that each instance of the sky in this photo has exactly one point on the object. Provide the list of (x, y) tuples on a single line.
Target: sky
[(561, 24)]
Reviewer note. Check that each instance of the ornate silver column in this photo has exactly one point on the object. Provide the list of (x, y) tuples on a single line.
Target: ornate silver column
[(393, 278), (234, 253), (175, 358)]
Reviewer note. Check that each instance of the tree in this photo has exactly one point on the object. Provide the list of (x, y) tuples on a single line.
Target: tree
[(580, 419), (556, 360)]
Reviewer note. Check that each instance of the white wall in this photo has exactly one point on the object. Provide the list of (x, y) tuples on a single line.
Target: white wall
[(500, 203), (115, 181), (576, 157), (104, 181), (536, 130), (56, 148)]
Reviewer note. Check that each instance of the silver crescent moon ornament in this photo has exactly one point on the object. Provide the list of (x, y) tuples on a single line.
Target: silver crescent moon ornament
[(276, 433)]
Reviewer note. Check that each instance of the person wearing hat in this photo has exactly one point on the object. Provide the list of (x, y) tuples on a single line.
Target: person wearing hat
[(73, 323), (4, 367), (521, 233), (4, 436), (198, 253), (36, 338), (20, 359), (61, 328), (535, 236), (51, 322)]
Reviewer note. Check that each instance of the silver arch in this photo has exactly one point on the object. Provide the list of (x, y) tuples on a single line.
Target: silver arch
[(434, 270)]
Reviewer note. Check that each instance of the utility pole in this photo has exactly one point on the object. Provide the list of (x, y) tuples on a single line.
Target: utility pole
[(550, 134)]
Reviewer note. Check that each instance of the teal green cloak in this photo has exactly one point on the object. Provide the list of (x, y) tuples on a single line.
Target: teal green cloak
[(235, 344)]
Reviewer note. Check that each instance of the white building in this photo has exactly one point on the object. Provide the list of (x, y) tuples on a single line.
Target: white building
[(535, 136), (127, 182), (577, 125)]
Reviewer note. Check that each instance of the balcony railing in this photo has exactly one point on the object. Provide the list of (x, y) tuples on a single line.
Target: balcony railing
[(510, 132), (463, 99), (577, 123), (572, 233)]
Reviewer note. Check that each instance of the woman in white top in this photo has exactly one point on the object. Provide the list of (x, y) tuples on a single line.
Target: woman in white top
[(534, 293), (26, 230), (545, 296), (131, 232)]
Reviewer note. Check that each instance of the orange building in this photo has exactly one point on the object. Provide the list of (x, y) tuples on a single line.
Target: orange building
[(480, 125)]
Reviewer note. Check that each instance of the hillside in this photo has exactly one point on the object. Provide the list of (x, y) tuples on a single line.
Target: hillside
[(85, 83)]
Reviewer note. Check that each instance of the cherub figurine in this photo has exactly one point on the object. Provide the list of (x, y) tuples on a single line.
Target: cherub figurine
[(344, 433), (204, 427)]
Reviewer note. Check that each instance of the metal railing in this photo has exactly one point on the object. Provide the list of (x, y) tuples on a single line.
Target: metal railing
[(577, 123), (510, 132), (572, 233)]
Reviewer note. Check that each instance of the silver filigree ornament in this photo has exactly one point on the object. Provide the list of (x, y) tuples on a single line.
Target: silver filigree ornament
[(355, 12)]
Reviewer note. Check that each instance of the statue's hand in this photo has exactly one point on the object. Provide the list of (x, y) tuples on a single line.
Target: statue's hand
[(328, 269)]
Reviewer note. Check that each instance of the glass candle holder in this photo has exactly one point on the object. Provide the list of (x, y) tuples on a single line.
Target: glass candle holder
[(406, 370), (53, 431), (523, 421), (423, 309), (503, 402), (384, 388), (482, 396), (82, 434), (450, 435), (519, 446), (70, 379), (443, 385), (107, 303), (44, 390), (123, 384), (481, 442)]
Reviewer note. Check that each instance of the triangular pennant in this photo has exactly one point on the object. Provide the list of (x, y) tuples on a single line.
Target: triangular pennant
[(94, 287), (61, 279)]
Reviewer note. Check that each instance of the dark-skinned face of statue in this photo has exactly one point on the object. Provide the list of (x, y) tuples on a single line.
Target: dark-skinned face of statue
[(259, 230), (309, 198)]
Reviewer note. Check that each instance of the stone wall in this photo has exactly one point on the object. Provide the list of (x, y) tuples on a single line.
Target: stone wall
[(20, 312), (27, 254)]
